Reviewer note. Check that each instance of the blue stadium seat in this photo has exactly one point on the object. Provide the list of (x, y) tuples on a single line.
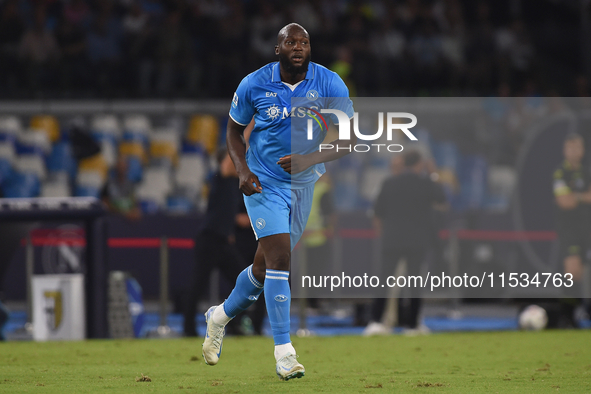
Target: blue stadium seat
[(61, 159), (19, 185), (87, 191), (446, 155), (473, 177), (5, 170), (135, 169), (148, 206), (179, 204), (192, 147)]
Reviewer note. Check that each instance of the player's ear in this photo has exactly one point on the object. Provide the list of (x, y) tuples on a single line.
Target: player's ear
[(277, 49)]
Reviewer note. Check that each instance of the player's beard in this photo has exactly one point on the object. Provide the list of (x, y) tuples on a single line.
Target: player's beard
[(292, 69)]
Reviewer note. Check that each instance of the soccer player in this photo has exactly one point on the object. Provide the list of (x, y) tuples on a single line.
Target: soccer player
[(572, 191), (277, 183)]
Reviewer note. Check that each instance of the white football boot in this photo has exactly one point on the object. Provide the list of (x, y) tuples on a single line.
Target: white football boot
[(289, 368), (214, 335)]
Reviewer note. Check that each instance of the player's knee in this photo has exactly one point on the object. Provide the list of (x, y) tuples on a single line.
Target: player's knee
[(259, 272), (279, 261)]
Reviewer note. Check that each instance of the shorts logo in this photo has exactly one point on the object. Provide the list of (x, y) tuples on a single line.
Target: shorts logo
[(253, 297), (280, 298), (312, 95), (273, 112), (260, 223)]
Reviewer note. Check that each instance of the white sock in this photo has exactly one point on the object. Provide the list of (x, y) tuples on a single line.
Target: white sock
[(282, 350), (219, 316)]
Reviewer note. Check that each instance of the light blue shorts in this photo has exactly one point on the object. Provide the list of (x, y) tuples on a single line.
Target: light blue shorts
[(280, 211)]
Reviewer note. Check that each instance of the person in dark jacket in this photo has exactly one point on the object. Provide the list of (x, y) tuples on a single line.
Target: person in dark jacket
[(403, 215)]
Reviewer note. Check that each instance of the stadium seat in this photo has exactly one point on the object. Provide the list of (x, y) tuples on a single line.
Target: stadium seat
[(371, 182), (155, 186), (95, 163), (446, 155), (134, 149), (10, 127), (473, 177), (55, 189), (135, 169), (89, 182), (136, 128), (204, 130), (30, 142), (179, 204), (47, 124), (31, 164), (7, 151), (87, 191), (61, 159), (109, 151), (21, 185), (164, 144), (106, 125), (5, 169), (191, 173)]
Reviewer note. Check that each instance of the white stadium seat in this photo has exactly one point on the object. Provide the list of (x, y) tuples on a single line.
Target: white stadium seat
[(191, 172), (31, 164), (106, 124), (7, 151)]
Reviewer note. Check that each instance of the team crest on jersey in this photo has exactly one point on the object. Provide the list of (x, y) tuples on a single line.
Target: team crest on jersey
[(260, 223), (273, 112), (312, 95)]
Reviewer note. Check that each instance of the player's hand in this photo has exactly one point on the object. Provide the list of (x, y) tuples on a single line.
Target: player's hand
[(249, 183), (295, 163)]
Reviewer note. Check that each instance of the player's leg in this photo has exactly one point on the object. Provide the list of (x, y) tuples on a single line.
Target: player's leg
[(277, 249), (245, 293)]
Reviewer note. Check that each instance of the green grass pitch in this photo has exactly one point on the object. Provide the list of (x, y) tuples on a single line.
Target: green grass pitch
[(501, 362)]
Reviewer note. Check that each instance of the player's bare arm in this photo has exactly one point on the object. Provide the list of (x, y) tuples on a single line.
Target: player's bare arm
[(237, 149)]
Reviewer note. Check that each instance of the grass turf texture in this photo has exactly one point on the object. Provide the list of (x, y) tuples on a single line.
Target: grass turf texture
[(503, 362)]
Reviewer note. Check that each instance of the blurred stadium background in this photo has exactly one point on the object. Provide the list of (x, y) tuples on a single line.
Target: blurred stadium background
[(151, 81)]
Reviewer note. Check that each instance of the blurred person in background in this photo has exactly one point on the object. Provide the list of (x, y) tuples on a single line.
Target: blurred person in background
[(403, 215), (316, 238), (39, 52), (119, 192), (104, 53), (176, 70), (72, 43), (572, 192), (215, 244), (12, 28)]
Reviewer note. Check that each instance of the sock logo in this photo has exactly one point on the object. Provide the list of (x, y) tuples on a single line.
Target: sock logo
[(280, 298), (253, 297)]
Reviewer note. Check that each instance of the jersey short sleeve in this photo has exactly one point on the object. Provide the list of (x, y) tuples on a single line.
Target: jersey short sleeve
[(242, 109), (339, 98), (560, 186)]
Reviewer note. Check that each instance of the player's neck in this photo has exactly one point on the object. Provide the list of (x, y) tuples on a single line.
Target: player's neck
[(290, 78)]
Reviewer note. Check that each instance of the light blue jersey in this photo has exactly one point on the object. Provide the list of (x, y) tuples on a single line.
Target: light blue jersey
[(263, 95)]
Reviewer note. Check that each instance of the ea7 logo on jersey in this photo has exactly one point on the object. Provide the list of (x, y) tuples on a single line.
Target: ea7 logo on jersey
[(271, 94), (235, 100)]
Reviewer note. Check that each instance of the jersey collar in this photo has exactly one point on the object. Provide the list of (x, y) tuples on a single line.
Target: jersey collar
[(276, 75)]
